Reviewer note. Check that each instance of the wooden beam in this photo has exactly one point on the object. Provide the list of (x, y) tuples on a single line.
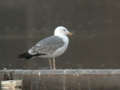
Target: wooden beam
[(68, 79)]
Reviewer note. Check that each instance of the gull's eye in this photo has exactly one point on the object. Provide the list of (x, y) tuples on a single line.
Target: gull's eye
[(64, 30)]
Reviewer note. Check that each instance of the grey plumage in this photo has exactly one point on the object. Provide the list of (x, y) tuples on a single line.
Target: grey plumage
[(47, 45), (50, 47)]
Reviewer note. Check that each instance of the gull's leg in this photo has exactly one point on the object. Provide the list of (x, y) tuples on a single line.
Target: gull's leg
[(54, 65), (50, 63)]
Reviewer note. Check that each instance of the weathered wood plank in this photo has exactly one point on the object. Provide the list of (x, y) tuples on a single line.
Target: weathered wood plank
[(11, 85), (68, 79)]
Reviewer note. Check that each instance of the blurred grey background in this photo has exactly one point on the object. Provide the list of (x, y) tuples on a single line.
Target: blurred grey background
[(95, 24)]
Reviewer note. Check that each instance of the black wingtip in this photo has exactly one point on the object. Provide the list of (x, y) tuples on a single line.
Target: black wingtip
[(25, 55)]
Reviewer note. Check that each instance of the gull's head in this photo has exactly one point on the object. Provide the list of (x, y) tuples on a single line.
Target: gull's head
[(61, 30)]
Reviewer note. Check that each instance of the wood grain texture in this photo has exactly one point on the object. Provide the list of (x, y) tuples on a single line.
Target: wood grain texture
[(68, 79)]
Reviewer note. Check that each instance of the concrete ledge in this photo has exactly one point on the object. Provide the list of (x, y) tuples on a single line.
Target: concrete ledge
[(68, 79)]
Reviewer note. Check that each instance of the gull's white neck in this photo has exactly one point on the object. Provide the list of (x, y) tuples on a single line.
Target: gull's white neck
[(64, 38)]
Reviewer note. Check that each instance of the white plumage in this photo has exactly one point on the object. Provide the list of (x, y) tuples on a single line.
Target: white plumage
[(50, 47)]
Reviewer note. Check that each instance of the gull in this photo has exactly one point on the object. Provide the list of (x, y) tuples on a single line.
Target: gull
[(50, 47)]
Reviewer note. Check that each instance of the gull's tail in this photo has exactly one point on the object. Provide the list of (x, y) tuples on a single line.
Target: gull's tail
[(25, 55)]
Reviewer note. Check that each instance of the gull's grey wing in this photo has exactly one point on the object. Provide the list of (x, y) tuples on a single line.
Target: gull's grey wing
[(47, 45)]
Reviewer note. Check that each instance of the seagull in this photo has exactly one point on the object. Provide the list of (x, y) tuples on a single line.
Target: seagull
[(50, 47)]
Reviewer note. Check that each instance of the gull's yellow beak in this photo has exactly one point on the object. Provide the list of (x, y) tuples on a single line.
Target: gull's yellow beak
[(70, 34)]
